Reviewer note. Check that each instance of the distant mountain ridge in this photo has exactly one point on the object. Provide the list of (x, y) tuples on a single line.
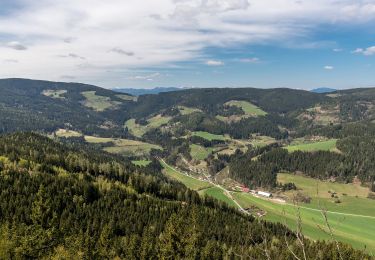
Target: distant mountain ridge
[(146, 91), (323, 90)]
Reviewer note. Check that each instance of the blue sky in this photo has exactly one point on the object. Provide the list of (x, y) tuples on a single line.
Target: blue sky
[(191, 43)]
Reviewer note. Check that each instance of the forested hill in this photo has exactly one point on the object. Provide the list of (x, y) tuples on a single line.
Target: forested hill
[(63, 202)]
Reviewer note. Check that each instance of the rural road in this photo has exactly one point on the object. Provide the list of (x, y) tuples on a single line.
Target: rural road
[(227, 193)]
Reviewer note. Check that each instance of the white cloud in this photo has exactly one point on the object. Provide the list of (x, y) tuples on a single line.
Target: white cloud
[(368, 51), (214, 63), (16, 46), (120, 35), (328, 67), (148, 77), (337, 50)]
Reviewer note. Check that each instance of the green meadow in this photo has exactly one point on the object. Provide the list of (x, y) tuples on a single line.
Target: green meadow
[(141, 163), (218, 194), (98, 103), (329, 145), (346, 227), (139, 130), (247, 107), (208, 136), (199, 152)]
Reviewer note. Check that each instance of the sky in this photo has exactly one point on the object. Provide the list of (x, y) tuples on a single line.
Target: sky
[(300, 44)]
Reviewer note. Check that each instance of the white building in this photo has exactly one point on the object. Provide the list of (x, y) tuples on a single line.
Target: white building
[(264, 194)]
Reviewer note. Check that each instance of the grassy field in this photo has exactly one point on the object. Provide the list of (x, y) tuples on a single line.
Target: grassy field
[(199, 152), (98, 103), (208, 136), (123, 146), (189, 182), (188, 110), (310, 185), (141, 162), (329, 145), (54, 93), (67, 133), (356, 230), (139, 130), (261, 141), (218, 194), (247, 107)]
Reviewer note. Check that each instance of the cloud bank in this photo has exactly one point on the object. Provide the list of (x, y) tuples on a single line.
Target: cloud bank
[(104, 40)]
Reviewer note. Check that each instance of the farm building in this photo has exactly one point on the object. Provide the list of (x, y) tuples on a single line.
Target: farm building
[(245, 189), (265, 194)]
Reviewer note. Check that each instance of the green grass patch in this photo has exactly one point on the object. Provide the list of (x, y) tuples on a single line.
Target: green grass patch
[(58, 94), (329, 145), (355, 230), (199, 152), (142, 163), (261, 141), (310, 186), (98, 103), (208, 136), (188, 110), (247, 107), (123, 146), (189, 182), (218, 194), (139, 130), (67, 133)]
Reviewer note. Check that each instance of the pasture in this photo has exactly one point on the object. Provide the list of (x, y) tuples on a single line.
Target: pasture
[(123, 146), (327, 145), (208, 136), (218, 194), (188, 181), (98, 103), (199, 152), (188, 110), (67, 133), (346, 226), (247, 107), (58, 94), (152, 123), (141, 163)]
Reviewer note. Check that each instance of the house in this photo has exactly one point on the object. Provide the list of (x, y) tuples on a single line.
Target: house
[(245, 189), (264, 194)]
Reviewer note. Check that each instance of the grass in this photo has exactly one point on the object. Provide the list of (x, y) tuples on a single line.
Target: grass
[(188, 181), (188, 110), (261, 141), (209, 136), (329, 145), (355, 230), (58, 94), (98, 103), (141, 163), (123, 146), (199, 152), (247, 107), (154, 122), (67, 133), (218, 194), (309, 186)]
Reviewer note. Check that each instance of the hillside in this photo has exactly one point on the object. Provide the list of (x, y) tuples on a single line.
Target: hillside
[(219, 142)]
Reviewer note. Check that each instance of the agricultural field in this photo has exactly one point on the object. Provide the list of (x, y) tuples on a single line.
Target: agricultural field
[(139, 130), (208, 136), (327, 145), (199, 152), (188, 110), (67, 133), (188, 181), (247, 107), (347, 226), (98, 103), (141, 163), (322, 189), (261, 141), (123, 146), (58, 94), (218, 194)]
